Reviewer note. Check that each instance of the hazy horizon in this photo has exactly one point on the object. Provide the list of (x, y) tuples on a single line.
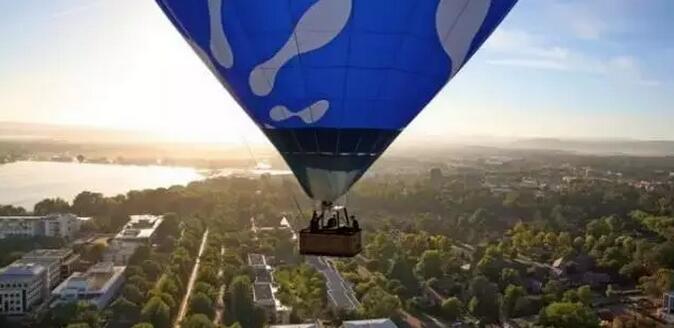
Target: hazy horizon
[(554, 69)]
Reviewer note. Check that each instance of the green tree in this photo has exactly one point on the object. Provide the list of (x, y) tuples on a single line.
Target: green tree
[(451, 308), (568, 315), (143, 325), (201, 303), (197, 321), (512, 295), (50, 206), (552, 291), (93, 253), (78, 325), (402, 270), (152, 269), (378, 303), (585, 294), (157, 313), (123, 309), (510, 276), (429, 265), (240, 304), (132, 293), (485, 300)]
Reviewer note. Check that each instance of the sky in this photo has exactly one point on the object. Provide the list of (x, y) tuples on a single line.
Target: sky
[(554, 68)]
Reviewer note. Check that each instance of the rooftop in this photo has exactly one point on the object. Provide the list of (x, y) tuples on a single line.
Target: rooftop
[(55, 253), (35, 217), (23, 217), (140, 227), (256, 260), (21, 269), (96, 280), (262, 292), (371, 323), (262, 276)]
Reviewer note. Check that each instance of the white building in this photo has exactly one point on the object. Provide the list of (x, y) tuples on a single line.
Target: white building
[(59, 263), (140, 228), (264, 290), (22, 287), (370, 323), (53, 225), (97, 286)]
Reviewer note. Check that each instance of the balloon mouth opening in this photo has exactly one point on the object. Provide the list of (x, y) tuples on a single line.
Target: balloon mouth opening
[(328, 161)]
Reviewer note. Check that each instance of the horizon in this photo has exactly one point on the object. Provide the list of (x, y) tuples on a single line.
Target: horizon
[(553, 69)]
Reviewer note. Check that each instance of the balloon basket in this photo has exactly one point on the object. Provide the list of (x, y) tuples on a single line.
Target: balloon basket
[(335, 243)]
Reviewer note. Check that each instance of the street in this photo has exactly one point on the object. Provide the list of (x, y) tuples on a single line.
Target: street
[(190, 283)]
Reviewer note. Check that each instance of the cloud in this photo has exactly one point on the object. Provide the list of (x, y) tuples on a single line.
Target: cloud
[(582, 18), (75, 9), (523, 49)]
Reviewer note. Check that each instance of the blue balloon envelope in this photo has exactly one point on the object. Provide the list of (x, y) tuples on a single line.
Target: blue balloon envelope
[(333, 82)]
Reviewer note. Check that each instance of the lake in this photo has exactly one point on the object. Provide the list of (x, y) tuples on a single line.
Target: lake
[(26, 183)]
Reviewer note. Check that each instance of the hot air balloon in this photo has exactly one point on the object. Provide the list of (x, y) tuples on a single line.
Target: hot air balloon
[(332, 83)]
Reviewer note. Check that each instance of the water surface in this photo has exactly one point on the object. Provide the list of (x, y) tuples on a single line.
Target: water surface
[(26, 183)]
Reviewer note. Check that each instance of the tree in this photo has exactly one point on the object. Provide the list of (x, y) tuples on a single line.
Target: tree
[(197, 321), (143, 325), (429, 265), (139, 281), (89, 204), (201, 303), (510, 276), (512, 295), (402, 270), (123, 309), (157, 313), (658, 283), (78, 325), (568, 315), (378, 303), (585, 294), (93, 253), (240, 303), (552, 291), (61, 315), (451, 308), (50, 206), (485, 302), (133, 294), (206, 288), (152, 269)]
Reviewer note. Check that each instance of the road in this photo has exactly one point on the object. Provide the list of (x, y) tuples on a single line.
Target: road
[(339, 291), (220, 302), (190, 284)]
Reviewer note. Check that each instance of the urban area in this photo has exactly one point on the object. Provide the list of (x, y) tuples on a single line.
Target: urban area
[(542, 240)]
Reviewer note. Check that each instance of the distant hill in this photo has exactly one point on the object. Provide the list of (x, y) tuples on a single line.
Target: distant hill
[(71, 133), (407, 144), (599, 147)]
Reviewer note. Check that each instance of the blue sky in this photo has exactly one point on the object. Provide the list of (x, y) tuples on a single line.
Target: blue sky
[(555, 68)]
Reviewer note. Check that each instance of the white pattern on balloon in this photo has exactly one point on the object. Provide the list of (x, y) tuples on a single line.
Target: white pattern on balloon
[(308, 115), (220, 47), (457, 22), (322, 22)]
